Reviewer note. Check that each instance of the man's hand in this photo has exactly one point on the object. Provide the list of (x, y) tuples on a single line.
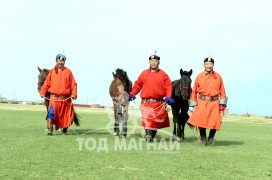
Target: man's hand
[(169, 100), (131, 97), (222, 107)]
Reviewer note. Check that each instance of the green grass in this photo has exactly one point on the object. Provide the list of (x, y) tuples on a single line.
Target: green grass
[(242, 150)]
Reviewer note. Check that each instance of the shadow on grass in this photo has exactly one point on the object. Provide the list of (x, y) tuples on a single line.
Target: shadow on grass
[(86, 131), (228, 143), (158, 137)]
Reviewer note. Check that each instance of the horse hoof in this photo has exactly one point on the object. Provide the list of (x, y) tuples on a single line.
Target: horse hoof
[(116, 134)]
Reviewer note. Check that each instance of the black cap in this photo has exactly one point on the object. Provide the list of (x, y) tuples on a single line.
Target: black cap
[(154, 57), (209, 59)]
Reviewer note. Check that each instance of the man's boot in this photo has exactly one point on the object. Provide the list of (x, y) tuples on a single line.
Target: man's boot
[(154, 132), (49, 127), (203, 137), (64, 131), (148, 136), (211, 137)]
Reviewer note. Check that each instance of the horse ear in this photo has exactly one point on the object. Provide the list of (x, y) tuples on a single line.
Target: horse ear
[(39, 69), (191, 72), (114, 75), (181, 72)]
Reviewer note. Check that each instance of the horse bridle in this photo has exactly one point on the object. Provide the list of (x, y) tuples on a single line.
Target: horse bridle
[(181, 87)]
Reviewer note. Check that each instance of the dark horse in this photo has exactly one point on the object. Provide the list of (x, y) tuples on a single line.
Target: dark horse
[(181, 93), (41, 79), (119, 89)]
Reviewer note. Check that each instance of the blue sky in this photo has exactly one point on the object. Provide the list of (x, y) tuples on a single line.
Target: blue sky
[(99, 36)]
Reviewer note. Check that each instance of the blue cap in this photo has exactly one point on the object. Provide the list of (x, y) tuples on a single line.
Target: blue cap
[(61, 56)]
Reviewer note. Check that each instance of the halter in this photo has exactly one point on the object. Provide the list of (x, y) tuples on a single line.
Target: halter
[(181, 87)]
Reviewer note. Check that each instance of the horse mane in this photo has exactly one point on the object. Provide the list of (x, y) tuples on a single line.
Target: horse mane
[(122, 75)]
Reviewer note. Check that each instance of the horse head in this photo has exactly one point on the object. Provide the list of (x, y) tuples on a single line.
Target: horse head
[(185, 84), (120, 74), (41, 77), (121, 78)]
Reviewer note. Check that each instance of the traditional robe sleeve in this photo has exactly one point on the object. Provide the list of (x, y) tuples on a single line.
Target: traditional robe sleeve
[(193, 97), (223, 98), (137, 86), (168, 86), (73, 86)]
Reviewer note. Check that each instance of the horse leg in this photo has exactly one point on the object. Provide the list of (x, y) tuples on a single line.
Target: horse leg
[(116, 120), (179, 126), (124, 121), (175, 120), (183, 118), (175, 126), (182, 129)]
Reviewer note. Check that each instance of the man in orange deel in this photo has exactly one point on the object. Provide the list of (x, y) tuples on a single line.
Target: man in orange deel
[(208, 98), (60, 83), (156, 89)]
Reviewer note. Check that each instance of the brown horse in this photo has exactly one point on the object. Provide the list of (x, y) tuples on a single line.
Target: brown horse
[(119, 89), (181, 93), (41, 79)]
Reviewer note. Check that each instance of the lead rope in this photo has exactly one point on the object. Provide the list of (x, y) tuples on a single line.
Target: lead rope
[(162, 105)]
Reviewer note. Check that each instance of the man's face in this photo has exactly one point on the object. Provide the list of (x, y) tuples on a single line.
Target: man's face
[(60, 63), (208, 66), (154, 63)]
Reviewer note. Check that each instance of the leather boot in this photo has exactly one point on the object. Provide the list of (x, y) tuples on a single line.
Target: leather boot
[(148, 136), (154, 132), (211, 137), (64, 131), (203, 137), (49, 127)]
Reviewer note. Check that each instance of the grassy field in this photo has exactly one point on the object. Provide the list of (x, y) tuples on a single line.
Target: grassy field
[(243, 149)]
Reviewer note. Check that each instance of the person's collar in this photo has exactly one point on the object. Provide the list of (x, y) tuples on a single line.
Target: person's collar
[(61, 69), (206, 73), (211, 73), (151, 70)]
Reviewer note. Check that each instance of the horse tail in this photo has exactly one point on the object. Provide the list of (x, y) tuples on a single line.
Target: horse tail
[(76, 119)]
